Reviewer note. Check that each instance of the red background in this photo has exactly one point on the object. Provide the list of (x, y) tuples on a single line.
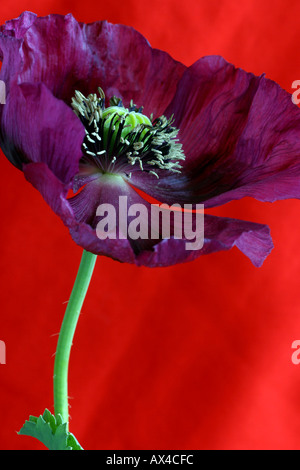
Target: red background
[(195, 356)]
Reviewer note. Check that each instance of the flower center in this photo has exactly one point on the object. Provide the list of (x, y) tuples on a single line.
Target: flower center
[(121, 140)]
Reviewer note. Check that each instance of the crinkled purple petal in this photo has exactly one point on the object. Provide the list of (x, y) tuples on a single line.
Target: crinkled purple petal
[(17, 27), (221, 234), (37, 127), (240, 134), (67, 55), (125, 65), (78, 213), (55, 194), (116, 192)]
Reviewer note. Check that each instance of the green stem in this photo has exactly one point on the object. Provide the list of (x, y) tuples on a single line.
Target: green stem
[(64, 344)]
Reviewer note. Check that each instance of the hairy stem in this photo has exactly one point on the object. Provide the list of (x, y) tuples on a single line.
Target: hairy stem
[(64, 344)]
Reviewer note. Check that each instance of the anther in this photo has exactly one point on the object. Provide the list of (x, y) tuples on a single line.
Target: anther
[(126, 136)]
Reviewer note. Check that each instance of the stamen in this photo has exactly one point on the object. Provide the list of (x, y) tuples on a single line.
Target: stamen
[(125, 137), (89, 139)]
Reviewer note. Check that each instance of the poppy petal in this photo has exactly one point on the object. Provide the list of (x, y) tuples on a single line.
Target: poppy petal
[(37, 127)]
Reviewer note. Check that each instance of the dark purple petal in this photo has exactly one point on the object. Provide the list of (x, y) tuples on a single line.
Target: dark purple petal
[(66, 55), (79, 213), (125, 65), (240, 134), (221, 234), (36, 127), (103, 189), (17, 27), (11, 47), (52, 50), (54, 193)]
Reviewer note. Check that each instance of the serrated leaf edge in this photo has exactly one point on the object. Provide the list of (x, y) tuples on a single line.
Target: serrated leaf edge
[(56, 427)]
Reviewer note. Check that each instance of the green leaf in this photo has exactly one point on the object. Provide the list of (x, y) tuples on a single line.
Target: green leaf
[(51, 431)]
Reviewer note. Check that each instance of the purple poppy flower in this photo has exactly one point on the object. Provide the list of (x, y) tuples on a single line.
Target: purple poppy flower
[(93, 109)]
